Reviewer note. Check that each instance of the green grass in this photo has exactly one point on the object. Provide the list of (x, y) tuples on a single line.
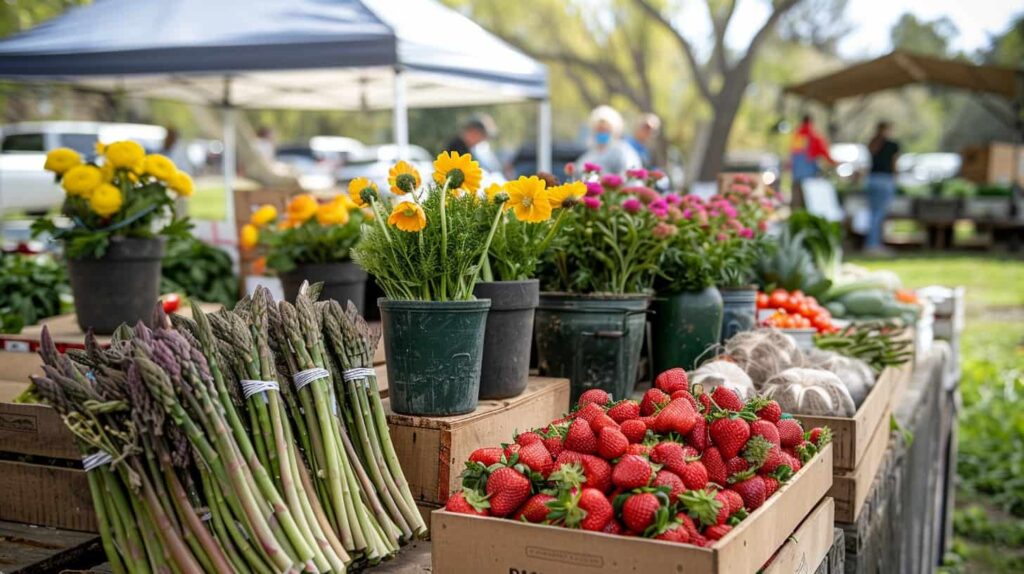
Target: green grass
[(208, 201)]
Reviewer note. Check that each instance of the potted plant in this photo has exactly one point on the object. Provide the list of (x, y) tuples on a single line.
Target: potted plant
[(426, 247), (313, 242), (121, 208), (591, 319), (523, 236)]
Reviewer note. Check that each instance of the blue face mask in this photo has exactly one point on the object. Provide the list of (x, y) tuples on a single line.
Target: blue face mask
[(603, 138)]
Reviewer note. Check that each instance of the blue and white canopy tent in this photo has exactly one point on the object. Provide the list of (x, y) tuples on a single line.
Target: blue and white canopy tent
[(275, 54)]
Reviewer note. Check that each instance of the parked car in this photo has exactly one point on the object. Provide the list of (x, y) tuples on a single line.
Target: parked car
[(916, 169), (765, 163), (25, 185)]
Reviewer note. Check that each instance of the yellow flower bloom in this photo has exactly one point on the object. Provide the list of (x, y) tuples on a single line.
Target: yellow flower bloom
[(61, 159), (528, 198), (356, 187), (403, 178), (264, 215), (460, 171), (332, 214), (181, 183), (82, 180), (159, 166), (408, 216), (249, 237), (99, 147), (105, 200), (125, 154), (493, 190), (302, 207), (569, 191), (344, 201)]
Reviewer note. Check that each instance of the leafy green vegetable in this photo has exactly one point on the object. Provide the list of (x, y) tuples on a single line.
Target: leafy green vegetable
[(823, 239), (30, 289), (791, 268), (200, 271)]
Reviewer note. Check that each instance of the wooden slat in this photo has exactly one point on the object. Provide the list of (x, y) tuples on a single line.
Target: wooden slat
[(26, 549)]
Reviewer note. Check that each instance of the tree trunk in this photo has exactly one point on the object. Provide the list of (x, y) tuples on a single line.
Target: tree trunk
[(725, 108)]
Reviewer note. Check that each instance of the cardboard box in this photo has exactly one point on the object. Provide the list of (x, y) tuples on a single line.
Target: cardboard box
[(433, 450), (993, 163), (808, 546), (483, 545), (850, 489)]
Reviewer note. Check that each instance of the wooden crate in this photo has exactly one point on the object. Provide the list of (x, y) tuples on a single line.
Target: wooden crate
[(433, 450), (809, 545), (483, 545), (850, 489), (26, 549)]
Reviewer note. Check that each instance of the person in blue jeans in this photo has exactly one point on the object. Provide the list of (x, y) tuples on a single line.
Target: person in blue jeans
[(881, 184)]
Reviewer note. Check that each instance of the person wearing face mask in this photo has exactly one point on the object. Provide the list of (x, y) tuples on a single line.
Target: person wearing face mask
[(607, 149)]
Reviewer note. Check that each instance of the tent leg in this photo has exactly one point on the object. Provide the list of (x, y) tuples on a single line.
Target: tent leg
[(401, 119), (544, 136), (229, 163)]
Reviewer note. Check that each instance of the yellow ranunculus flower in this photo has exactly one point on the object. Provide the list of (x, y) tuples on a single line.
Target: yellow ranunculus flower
[(82, 180), (408, 216), (493, 190), (302, 207), (125, 154), (356, 187), (99, 147), (159, 166), (249, 237), (459, 171), (62, 159), (528, 198), (264, 215), (344, 201), (403, 178), (566, 195), (181, 183), (105, 200), (332, 214)]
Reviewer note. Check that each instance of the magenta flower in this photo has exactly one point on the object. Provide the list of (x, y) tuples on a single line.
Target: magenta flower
[(632, 205), (728, 209), (687, 213), (742, 189), (591, 167), (723, 237), (592, 202), (594, 189), (746, 233), (637, 173), (659, 208), (673, 198), (611, 180)]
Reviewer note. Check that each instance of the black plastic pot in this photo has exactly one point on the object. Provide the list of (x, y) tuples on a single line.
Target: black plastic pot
[(739, 310), (123, 286), (434, 350), (343, 281), (506, 364), (684, 326), (594, 341)]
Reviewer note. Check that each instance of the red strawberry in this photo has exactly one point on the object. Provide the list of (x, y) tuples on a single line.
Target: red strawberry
[(700, 540), (554, 445), (596, 396), (649, 421), (705, 402), (568, 457), (672, 380), (599, 510), (639, 450), (727, 399), (736, 465), (625, 410), (669, 479), (602, 421), (527, 438), (635, 430), (487, 455), (597, 471), (694, 475), (639, 510), (613, 527), (772, 461), (653, 398), (766, 429), (717, 531), (770, 412), (588, 412), (674, 533), (535, 509), (580, 437), (712, 460), (687, 523), (770, 486), (631, 472), (611, 443), (669, 454), (729, 435), (698, 435), (752, 490), (791, 461), (468, 502), (508, 490), (727, 509), (510, 450), (536, 456), (816, 434), (732, 499), (691, 453), (790, 432), (678, 417)]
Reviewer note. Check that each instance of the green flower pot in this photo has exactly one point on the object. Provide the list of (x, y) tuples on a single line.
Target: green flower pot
[(684, 326), (739, 310)]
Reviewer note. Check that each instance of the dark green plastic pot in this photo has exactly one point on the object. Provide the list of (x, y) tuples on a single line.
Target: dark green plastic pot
[(594, 341), (739, 310), (505, 371), (434, 350), (684, 326), (343, 281)]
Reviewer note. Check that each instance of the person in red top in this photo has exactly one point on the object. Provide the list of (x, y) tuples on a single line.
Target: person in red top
[(806, 149)]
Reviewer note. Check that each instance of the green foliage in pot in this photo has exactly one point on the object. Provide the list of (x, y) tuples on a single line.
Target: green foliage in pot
[(30, 289), (200, 271)]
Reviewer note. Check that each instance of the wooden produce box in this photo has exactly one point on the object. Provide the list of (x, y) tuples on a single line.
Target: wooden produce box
[(483, 545), (850, 489), (433, 450), (809, 545)]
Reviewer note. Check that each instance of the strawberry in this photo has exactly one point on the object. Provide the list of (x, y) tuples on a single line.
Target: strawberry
[(601, 421), (674, 533), (727, 399), (598, 397), (705, 402), (653, 398), (613, 527), (672, 380), (700, 540), (790, 432), (649, 421), (687, 523), (580, 437), (508, 489), (468, 502), (702, 506), (729, 435), (588, 412), (631, 472), (772, 461), (732, 499), (510, 450), (717, 531), (625, 410), (672, 481), (678, 417), (698, 435), (791, 461), (769, 411), (639, 450), (599, 511), (536, 456), (611, 443), (694, 475), (691, 453), (726, 510), (487, 455), (639, 510), (736, 465), (670, 455), (712, 460), (752, 490), (597, 471), (528, 437), (766, 429), (535, 509), (820, 436), (635, 430), (554, 445), (770, 486), (568, 457)]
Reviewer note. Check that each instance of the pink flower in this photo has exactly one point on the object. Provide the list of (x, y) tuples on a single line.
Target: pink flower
[(657, 174), (722, 237), (746, 233), (594, 189), (762, 226), (570, 168), (673, 198), (632, 205), (638, 173), (591, 167), (687, 213), (611, 180), (592, 202), (663, 230), (742, 189), (674, 214), (729, 210), (659, 208)]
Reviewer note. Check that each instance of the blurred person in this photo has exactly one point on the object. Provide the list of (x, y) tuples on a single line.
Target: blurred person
[(265, 143), (807, 148), (177, 151), (881, 184), (643, 139), (607, 148), (473, 132)]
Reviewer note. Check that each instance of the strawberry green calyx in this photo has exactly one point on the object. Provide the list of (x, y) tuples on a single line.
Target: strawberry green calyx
[(756, 450), (701, 505), (806, 451), (569, 476), (824, 437), (477, 500), (783, 473), (565, 509), (737, 517), (741, 476), (474, 477)]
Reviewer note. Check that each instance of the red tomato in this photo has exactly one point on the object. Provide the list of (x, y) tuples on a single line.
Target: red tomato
[(792, 304), (778, 299), (762, 300), (804, 311), (798, 294), (171, 303)]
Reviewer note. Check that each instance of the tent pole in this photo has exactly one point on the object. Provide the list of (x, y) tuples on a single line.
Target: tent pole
[(544, 136), (401, 119), (229, 160)]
